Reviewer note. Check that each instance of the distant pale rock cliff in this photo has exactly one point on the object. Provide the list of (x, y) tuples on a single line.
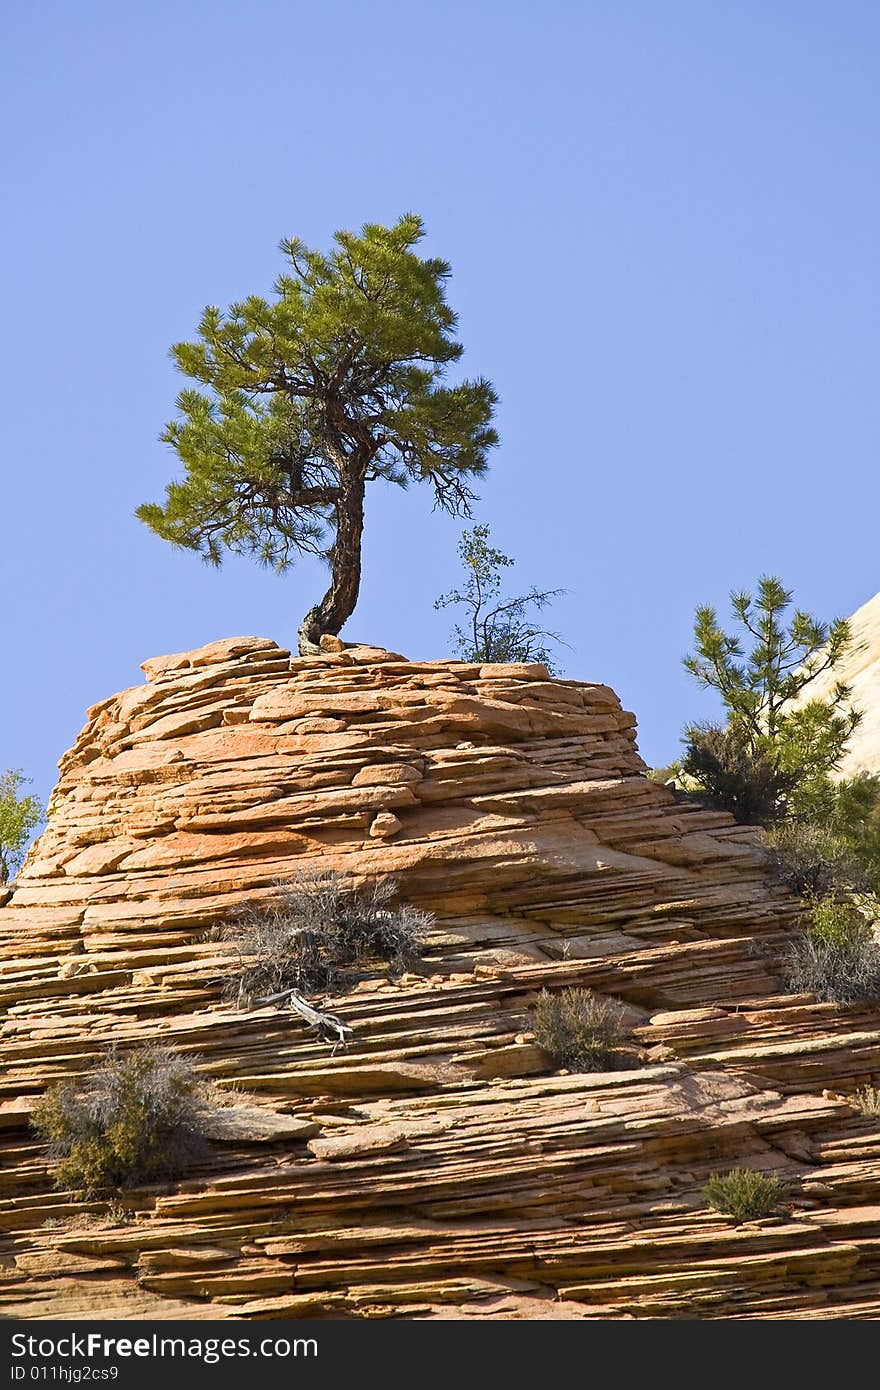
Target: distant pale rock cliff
[(861, 671)]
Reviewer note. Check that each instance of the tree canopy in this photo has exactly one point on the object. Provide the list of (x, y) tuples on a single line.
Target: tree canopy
[(303, 399)]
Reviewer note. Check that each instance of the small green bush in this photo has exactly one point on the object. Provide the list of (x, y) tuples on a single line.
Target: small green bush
[(813, 861), (847, 812), (867, 1099), (837, 924), (580, 1031), (130, 1120), (837, 958), (20, 813), (745, 1194), (317, 930)]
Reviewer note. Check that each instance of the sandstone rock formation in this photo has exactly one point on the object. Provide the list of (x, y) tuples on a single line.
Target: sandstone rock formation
[(860, 671), (438, 1165)]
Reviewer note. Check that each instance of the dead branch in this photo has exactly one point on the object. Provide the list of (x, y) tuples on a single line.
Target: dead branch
[(327, 1024)]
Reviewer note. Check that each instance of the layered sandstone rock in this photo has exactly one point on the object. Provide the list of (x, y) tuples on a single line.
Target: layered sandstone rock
[(437, 1165)]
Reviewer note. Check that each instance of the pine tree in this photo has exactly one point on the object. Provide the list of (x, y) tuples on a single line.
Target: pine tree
[(762, 691), (779, 746), (305, 399)]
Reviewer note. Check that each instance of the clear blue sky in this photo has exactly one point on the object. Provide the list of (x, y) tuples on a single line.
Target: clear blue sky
[(663, 225)]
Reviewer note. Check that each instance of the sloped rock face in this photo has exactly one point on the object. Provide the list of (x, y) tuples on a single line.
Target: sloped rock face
[(860, 671), (438, 1165)]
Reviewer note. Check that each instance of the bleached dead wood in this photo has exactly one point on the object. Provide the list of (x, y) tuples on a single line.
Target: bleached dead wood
[(326, 1023)]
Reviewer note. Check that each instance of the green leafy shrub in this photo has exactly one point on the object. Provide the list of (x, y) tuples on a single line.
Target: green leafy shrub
[(733, 773), (316, 931), (745, 1194), (855, 819), (830, 843), (867, 1099), (837, 958), (20, 813), (580, 1031), (132, 1119), (813, 861), (849, 810)]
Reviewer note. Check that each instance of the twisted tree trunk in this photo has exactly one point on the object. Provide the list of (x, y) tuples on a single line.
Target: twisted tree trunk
[(339, 602)]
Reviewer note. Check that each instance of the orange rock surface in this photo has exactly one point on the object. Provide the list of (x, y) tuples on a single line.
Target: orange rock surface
[(438, 1165)]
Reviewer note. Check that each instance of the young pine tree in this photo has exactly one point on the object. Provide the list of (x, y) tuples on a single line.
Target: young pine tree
[(778, 745), (304, 399)]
